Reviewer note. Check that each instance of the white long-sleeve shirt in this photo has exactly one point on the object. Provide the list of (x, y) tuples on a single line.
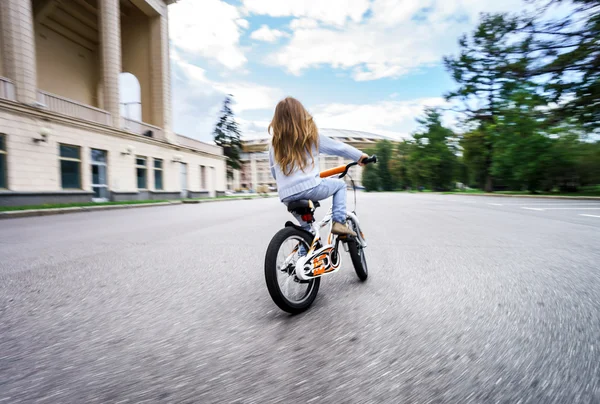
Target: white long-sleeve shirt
[(298, 180)]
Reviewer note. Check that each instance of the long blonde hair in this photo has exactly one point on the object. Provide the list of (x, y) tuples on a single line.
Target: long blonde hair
[(295, 135)]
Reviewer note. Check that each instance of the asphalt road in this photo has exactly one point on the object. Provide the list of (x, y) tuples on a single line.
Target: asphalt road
[(469, 300)]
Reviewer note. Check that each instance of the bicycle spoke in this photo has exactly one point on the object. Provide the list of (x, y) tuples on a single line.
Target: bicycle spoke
[(288, 255)]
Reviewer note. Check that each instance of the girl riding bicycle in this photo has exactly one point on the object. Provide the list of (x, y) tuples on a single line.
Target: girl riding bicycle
[(293, 157)]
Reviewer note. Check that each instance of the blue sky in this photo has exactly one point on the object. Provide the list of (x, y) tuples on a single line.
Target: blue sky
[(370, 65)]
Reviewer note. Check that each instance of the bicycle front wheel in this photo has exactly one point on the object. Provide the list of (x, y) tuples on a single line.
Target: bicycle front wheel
[(357, 254), (288, 292)]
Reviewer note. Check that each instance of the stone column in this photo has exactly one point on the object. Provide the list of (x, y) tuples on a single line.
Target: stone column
[(110, 45), (18, 40), (160, 73), (236, 180), (253, 171)]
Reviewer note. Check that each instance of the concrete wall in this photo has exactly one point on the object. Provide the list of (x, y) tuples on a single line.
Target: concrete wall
[(35, 167), (135, 42), (65, 68)]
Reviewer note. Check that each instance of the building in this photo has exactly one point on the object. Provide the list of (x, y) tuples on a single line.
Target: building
[(63, 135), (256, 172)]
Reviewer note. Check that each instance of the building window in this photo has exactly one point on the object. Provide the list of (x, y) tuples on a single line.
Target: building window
[(70, 166), (158, 174), (140, 169), (202, 177), (3, 167), (99, 174)]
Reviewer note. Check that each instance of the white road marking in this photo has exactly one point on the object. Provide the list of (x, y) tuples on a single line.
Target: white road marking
[(459, 201), (554, 204), (542, 209), (495, 204), (582, 214)]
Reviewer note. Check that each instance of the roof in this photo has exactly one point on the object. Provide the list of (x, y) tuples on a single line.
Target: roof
[(342, 134)]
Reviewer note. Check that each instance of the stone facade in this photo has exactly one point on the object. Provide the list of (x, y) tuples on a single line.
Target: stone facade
[(34, 167), (79, 103)]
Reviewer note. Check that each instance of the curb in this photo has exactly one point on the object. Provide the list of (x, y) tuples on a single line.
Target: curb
[(582, 198), (77, 209)]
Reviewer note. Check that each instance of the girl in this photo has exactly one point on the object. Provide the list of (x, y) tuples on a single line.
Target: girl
[(294, 160)]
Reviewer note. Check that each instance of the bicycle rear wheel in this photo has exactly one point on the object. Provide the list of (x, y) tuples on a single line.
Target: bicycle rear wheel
[(287, 291)]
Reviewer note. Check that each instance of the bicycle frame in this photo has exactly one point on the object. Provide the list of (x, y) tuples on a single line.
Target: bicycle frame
[(326, 259)]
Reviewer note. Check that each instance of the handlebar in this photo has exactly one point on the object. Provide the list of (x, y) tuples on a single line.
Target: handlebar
[(343, 170)]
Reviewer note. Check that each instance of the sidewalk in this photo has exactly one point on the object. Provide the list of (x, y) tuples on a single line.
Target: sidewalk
[(78, 209)]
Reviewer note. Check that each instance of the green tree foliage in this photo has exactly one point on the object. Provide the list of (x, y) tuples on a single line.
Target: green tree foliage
[(528, 98), (522, 153), (383, 149), (529, 90), (476, 157), (370, 178), (227, 135), (489, 64), (433, 157), (400, 163), (568, 53)]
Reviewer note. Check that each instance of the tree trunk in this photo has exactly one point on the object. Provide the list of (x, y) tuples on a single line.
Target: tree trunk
[(489, 185)]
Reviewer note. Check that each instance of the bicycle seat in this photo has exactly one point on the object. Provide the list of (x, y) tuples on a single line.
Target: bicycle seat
[(303, 206)]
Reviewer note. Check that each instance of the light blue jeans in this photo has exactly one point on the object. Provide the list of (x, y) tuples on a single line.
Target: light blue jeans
[(327, 188)]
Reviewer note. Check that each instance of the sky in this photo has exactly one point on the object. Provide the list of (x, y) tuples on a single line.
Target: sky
[(369, 65)]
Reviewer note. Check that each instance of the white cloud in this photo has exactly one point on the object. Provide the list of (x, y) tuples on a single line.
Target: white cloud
[(197, 99), (396, 119), (300, 23), (243, 23), (396, 38), (266, 34), (208, 28), (391, 118), (333, 12)]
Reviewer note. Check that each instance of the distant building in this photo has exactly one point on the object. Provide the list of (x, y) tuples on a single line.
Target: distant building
[(66, 134), (256, 172)]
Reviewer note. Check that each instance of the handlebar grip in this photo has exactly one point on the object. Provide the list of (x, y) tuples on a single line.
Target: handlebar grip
[(372, 159)]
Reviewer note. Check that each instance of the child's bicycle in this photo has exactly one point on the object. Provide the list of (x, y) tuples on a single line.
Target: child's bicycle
[(296, 259)]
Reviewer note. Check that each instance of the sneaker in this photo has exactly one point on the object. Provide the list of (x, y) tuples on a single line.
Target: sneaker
[(342, 230)]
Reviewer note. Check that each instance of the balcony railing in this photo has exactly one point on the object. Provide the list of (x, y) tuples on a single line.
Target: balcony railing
[(141, 128), (7, 89), (72, 108)]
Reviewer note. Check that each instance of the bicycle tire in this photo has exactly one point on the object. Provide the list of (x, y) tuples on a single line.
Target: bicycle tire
[(271, 273), (357, 255), (359, 260)]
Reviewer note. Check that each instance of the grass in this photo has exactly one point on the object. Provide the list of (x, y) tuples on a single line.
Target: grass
[(74, 205), (85, 204)]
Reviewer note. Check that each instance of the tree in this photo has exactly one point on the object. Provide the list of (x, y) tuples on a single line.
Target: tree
[(383, 149), (227, 136), (522, 152), (370, 178), (433, 157), (399, 164), (568, 53), (476, 156), (490, 62)]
